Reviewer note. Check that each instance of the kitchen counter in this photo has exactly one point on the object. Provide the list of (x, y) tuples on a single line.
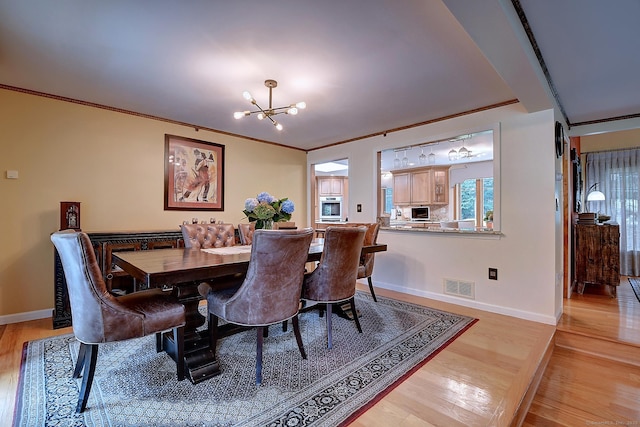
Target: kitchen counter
[(434, 227)]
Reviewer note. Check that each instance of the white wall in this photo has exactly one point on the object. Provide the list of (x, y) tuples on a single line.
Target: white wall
[(525, 254)]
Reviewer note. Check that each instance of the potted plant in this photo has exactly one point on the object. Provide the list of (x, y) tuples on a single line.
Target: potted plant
[(488, 219)]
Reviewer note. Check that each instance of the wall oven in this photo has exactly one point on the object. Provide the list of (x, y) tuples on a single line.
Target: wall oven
[(330, 208)]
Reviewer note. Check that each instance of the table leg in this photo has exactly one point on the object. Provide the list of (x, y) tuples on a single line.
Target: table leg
[(200, 362)]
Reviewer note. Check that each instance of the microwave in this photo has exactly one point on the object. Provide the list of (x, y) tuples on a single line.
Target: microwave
[(420, 213)]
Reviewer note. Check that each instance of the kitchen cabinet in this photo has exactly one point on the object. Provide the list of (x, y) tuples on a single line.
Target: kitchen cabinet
[(597, 255), (401, 189), (331, 186), (421, 186)]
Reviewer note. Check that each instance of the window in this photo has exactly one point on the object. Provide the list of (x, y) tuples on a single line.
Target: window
[(458, 177), (475, 198)]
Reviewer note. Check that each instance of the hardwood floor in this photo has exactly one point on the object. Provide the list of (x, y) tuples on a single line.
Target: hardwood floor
[(593, 377), (486, 377)]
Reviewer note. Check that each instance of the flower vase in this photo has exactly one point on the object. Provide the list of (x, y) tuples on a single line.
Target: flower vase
[(265, 224)]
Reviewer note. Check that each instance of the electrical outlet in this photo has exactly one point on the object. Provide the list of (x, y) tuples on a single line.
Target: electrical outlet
[(493, 273), (359, 207)]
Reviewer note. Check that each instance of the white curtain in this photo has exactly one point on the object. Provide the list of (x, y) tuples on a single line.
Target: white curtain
[(617, 175)]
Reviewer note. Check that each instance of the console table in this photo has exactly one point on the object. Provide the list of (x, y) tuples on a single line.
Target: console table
[(116, 280), (597, 255)]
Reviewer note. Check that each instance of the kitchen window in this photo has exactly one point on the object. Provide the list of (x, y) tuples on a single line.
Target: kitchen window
[(475, 200)]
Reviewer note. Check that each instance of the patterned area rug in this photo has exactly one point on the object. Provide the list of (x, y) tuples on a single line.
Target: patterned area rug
[(635, 285), (135, 386)]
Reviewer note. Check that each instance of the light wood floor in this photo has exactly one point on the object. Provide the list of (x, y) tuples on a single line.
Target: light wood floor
[(593, 377), (481, 379)]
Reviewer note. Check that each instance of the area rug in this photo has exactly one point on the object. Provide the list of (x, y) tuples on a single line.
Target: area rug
[(635, 285), (135, 386)]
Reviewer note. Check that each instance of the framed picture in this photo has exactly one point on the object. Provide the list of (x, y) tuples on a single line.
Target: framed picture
[(193, 174)]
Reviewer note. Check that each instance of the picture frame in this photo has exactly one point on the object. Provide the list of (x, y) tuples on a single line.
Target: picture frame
[(193, 174)]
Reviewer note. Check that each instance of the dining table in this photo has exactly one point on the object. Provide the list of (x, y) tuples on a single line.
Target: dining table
[(180, 271)]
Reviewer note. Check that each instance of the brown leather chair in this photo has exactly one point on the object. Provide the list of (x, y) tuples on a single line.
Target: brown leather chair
[(334, 280), (365, 269), (99, 317), (271, 291), (204, 236), (245, 231)]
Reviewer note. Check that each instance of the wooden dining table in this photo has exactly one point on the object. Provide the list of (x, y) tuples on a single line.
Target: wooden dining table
[(180, 271)]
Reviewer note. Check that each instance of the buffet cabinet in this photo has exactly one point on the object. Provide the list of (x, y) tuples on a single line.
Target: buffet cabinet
[(597, 256), (117, 281)]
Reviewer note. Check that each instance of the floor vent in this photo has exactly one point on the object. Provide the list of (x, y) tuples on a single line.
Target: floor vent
[(460, 288)]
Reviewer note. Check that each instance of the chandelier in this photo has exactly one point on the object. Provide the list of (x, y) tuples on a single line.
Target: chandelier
[(269, 112)]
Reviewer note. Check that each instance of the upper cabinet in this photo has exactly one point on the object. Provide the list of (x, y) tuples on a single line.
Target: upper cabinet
[(421, 186), (331, 186)]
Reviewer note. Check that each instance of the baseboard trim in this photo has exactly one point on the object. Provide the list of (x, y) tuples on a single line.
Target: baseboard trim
[(525, 315), (24, 317)]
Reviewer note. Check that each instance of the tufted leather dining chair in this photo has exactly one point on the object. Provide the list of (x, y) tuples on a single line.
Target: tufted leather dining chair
[(99, 317), (204, 236), (365, 269), (334, 280), (270, 292), (245, 231)]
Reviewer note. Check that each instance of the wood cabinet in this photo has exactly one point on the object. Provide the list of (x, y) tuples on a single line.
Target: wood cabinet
[(116, 280), (401, 189), (597, 256), (423, 186), (330, 186)]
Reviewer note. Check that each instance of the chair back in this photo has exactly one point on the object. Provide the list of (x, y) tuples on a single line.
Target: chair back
[(271, 290), (245, 231), (335, 277), (205, 236), (97, 315), (366, 261)]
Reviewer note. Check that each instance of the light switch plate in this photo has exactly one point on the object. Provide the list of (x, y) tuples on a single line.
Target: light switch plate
[(12, 174)]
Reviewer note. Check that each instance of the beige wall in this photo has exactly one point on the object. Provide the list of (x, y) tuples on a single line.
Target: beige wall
[(113, 164), (610, 141)]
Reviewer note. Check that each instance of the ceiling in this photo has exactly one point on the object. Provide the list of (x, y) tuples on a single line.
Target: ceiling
[(364, 67)]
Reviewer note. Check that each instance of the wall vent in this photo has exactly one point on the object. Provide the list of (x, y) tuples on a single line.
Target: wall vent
[(460, 288)]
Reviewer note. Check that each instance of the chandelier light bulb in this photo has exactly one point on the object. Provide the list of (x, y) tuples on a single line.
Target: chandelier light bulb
[(293, 111), (240, 114), (246, 95), (278, 125), (301, 105), (261, 116)]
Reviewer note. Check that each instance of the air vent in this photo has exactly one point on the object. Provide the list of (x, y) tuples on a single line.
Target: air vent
[(460, 288)]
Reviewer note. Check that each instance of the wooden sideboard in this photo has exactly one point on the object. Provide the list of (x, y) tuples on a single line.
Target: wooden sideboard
[(597, 255), (116, 280)]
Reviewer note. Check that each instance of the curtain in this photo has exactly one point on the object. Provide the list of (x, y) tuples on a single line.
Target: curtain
[(617, 175)]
